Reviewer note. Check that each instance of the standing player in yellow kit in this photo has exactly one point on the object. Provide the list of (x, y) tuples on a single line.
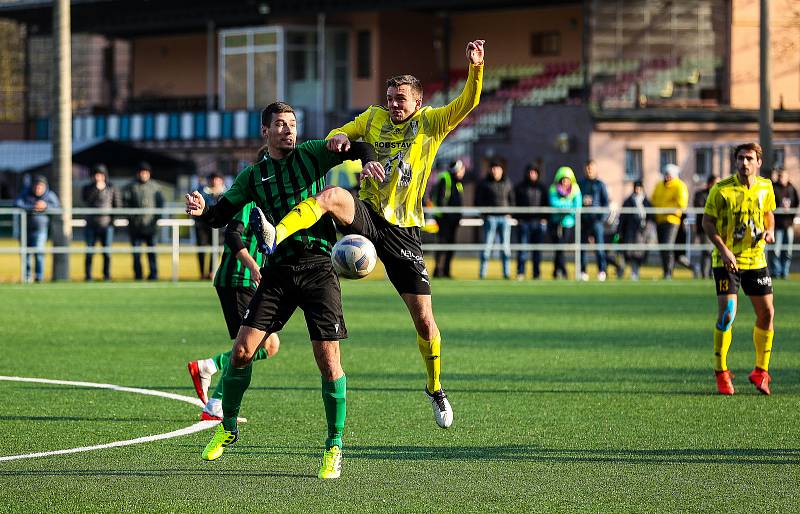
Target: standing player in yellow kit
[(738, 218), (388, 210)]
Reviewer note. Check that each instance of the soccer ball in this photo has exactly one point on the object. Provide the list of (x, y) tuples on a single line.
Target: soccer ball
[(353, 256)]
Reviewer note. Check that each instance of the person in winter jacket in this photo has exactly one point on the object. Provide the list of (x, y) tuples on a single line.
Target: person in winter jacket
[(565, 194), (99, 194), (495, 191), (594, 194), (530, 192), (37, 200), (669, 193), (143, 228), (449, 192), (633, 227)]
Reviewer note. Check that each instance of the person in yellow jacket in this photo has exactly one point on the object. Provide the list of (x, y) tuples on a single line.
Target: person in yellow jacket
[(388, 207), (670, 193)]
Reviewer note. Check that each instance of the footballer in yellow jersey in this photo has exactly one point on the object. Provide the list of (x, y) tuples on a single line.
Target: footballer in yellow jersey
[(405, 136), (738, 219), (407, 149), (739, 213)]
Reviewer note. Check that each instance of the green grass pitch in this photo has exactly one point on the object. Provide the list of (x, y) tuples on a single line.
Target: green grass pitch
[(568, 397)]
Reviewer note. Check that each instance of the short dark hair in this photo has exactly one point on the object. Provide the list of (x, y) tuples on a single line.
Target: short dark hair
[(747, 147), (144, 165), (274, 108), (406, 80), (496, 163), (213, 175)]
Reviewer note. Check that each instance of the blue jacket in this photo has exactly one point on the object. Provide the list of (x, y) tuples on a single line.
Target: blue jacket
[(37, 221), (594, 194)]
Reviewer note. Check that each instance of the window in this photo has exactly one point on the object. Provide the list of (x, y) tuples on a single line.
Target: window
[(703, 162), (259, 65), (778, 158), (363, 54), (633, 164), (248, 67), (546, 43), (667, 156)]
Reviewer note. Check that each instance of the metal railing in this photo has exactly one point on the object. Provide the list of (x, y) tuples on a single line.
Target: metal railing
[(174, 218)]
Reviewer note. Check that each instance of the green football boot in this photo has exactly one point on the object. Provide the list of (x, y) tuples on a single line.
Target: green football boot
[(221, 440)]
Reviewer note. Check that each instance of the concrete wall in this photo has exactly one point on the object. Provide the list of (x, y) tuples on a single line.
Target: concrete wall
[(784, 54), (170, 66), (508, 34), (533, 138)]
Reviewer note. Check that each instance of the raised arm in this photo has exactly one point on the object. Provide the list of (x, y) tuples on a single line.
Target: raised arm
[(446, 118)]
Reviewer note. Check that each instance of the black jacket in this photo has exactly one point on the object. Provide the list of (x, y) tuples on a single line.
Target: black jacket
[(530, 194), (491, 193)]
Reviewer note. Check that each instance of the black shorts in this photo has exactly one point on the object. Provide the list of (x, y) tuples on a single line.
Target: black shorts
[(399, 248), (313, 286), (234, 302), (754, 282)]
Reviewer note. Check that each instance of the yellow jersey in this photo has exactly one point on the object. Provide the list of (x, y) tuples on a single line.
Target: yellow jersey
[(670, 194), (407, 151), (739, 211)]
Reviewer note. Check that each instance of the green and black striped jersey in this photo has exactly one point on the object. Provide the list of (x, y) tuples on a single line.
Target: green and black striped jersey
[(278, 185), (231, 272)]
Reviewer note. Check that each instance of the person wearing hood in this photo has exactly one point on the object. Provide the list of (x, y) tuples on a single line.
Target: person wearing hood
[(37, 200), (564, 193), (495, 191), (633, 228), (670, 193), (530, 192)]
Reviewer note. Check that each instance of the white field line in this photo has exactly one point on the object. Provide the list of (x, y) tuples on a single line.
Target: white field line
[(196, 427)]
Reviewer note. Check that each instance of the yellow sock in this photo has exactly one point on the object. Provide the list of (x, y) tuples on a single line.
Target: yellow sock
[(762, 340), (431, 356), (722, 343), (304, 215)]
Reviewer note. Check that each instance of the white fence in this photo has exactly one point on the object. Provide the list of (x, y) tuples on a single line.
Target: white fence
[(174, 218)]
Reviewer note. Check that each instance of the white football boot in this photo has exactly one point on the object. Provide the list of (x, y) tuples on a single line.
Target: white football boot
[(264, 231), (442, 411)]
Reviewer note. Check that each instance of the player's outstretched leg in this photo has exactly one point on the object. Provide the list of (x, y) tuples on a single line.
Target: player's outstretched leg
[(201, 371), (222, 439), (263, 230)]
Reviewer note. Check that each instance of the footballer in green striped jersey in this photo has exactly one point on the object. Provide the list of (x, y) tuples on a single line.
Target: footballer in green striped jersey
[(388, 209), (232, 272), (299, 274)]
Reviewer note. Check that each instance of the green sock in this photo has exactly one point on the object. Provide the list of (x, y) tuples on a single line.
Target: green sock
[(260, 354), (333, 397), (221, 360), (236, 381)]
